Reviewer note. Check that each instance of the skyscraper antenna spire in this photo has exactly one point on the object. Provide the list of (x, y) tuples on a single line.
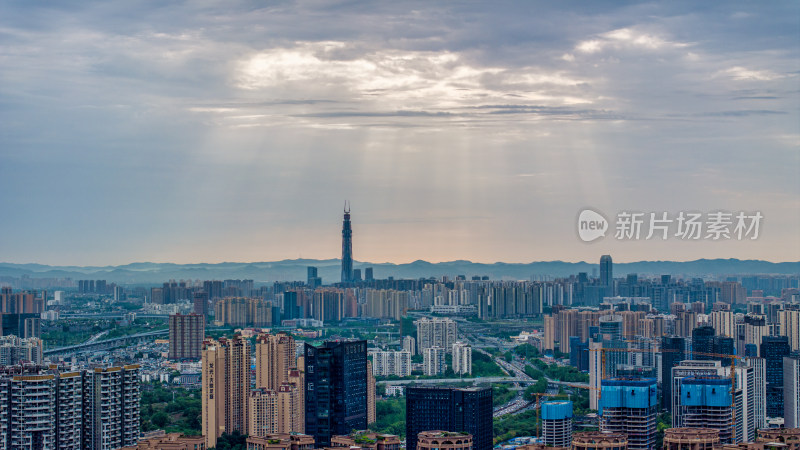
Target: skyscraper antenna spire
[(346, 206)]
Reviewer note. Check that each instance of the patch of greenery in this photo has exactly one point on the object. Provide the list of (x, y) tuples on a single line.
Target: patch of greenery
[(484, 366), (663, 421), (540, 387), (533, 372), (407, 327), (566, 373), (515, 425), (391, 417), (174, 410), (527, 351)]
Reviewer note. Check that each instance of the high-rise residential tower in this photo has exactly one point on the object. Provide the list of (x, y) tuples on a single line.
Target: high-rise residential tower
[(111, 408), (226, 386), (347, 246), (275, 356), (462, 358), (436, 332), (186, 333)]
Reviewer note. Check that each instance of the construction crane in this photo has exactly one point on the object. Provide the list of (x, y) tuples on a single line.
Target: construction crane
[(539, 396)]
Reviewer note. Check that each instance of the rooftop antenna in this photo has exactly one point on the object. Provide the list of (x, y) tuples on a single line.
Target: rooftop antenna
[(346, 206)]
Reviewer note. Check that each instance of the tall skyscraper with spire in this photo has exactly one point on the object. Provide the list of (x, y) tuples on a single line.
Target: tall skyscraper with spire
[(347, 246)]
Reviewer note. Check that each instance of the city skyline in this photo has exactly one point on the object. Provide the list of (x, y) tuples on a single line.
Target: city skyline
[(232, 132)]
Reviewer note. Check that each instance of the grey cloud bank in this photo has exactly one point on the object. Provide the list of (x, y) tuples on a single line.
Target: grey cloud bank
[(234, 131)]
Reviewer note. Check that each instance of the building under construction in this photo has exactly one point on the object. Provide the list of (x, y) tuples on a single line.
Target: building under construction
[(557, 423), (705, 402), (630, 406)]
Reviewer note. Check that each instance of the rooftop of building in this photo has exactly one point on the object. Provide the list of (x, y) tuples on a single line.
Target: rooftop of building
[(443, 434), (629, 381), (363, 437)]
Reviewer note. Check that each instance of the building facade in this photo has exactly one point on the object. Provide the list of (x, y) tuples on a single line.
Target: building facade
[(275, 357), (444, 440), (49, 408), (391, 363), (436, 332), (773, 350), (791, 390), (557, 423), (186, 334), (466, 410), (630, 406), (433, 361), (225, 387), (335, 389), (462, 358)]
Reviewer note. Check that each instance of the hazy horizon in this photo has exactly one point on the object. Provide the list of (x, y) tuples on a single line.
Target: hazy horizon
[(458, 131), (359, 261)]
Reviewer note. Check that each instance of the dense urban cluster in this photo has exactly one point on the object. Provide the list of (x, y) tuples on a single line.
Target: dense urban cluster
[(588, 361)]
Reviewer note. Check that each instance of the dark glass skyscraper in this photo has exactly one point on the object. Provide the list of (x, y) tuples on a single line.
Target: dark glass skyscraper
[(336, 389), (773, 349), (449, 409), (703, 342), (347, 247), (607, 274), (670, 359)]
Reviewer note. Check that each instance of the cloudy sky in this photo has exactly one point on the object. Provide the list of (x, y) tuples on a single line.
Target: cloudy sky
[(233, 131)]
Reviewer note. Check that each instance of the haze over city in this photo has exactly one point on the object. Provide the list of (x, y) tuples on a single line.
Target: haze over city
[(195, 132)]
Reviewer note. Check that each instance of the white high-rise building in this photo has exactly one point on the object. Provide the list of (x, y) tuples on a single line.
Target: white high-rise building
[(391, 363), (723, 323), (436, 332), (759, 366), (595, 373), (462, 358), (433, 361), (790, 327), (791, 391), (410, 345)]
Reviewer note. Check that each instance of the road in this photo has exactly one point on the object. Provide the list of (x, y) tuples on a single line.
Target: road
[(518, 404)]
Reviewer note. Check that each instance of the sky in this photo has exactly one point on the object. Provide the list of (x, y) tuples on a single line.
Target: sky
[(207, 131)]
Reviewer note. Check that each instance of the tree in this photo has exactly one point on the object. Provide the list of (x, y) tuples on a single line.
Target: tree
[(540, 387), (160, 419), (232, 441)]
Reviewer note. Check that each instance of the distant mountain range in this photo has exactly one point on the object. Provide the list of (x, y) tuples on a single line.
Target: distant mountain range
[(329, 270)]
